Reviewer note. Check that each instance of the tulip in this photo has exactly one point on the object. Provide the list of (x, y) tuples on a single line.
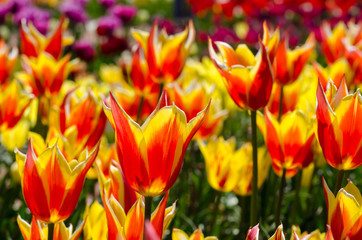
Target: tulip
[(198, 93), (13, 103), (289, 142), (338, 128), (253, 233), (33, 43), (336, 71), (117, 186), (80, 115), (38, 230), (178, 234), (165, 55), (248, 79), (52, 184), (130, 101), (315, 235), (151, 155), (291, 95), (288, 64), (95, 227), (7, 62), (344, 212), (45, 74), (271, 41), (222, 163), (278, 235), (131, 225), (332, 45), (243, 186)]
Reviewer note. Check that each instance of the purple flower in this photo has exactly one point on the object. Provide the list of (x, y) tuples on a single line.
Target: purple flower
[(226, 35), (107, 24), (84, 50), (107, 3), (39, 17), (124, 12), (5, 8), (74, 11)]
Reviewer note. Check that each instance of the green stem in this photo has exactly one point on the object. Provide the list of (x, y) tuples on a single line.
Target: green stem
[(280, 103), (161, 90), (254, 187), (295, 208), (148, 211), (216, 210), (339, 181), (140, 108), (280, 199), (50, 231), (243, 225)]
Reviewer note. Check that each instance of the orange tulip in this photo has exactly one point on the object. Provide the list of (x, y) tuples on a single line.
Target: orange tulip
[(130, 101), (197, 93), (130, 226), (165, 55), (44, 74), (33, 43), (117, 186), (339, 131), (289, 142), (7, 62), (332, 44), (81, 112), (141, 77), (290, 98), (151, 155), (248, 79), (271, 41), (288, 64), (52, 184), (39, 231), (13, 103), (344, 212)]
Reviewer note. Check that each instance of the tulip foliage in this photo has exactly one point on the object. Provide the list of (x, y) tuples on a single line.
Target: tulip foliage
[(119, 123)]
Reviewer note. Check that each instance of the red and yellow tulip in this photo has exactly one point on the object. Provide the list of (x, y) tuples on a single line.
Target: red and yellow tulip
[(222, 163), (338, 128), (80, 115), (336, 71), (344, 212), (7, 62), (198, 93), (271, 41), (288, 64), (178, 234), (332, 41), (253, 233), (289, 142), (151, 155), (248, 78), (52, 184), (33, 43), (117, 186), (315, 235), (95, 227), (243, 186), (39, 231), (131, 225), (44, 74), (228, 169), (13, 103), (165, 55)]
